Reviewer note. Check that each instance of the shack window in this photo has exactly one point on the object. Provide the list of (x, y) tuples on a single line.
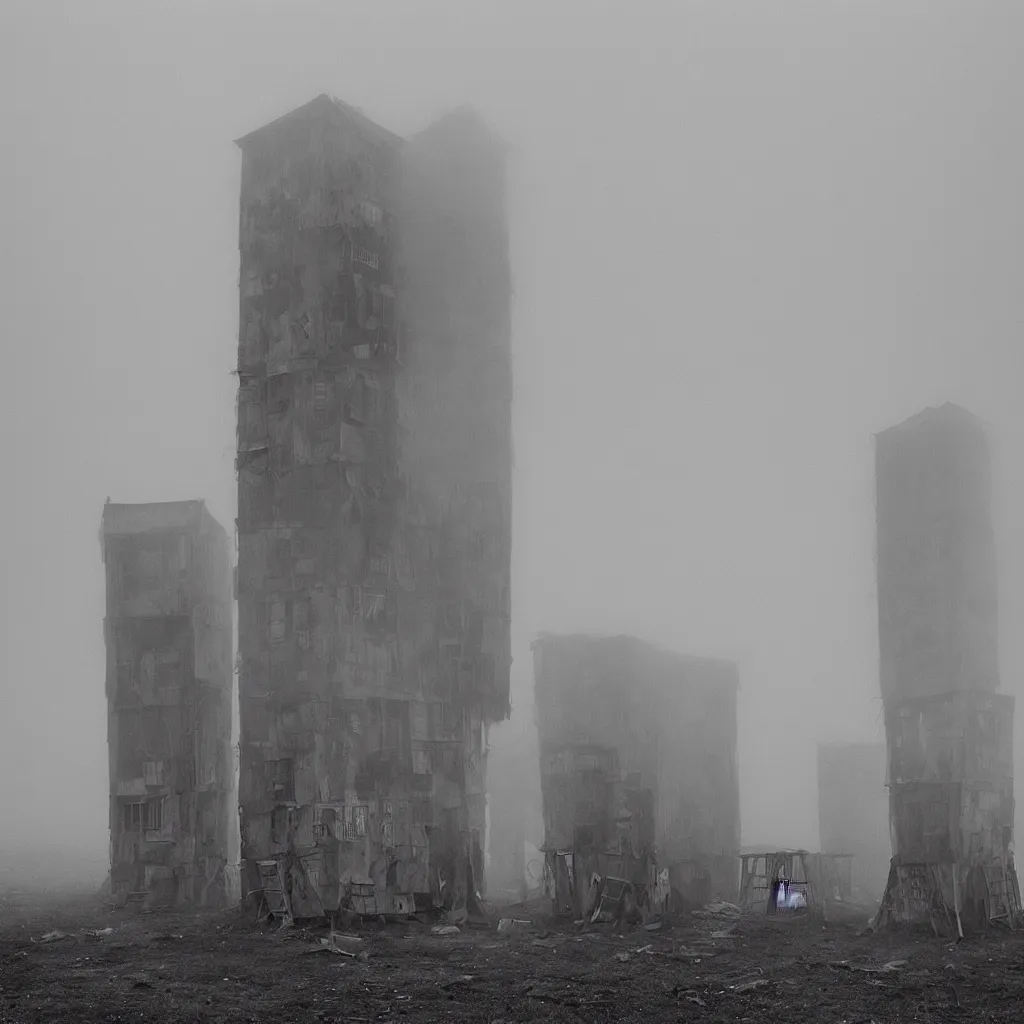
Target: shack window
[(282, 555), (125, 677), (371, 403), (375, 609), (277, 621), (328, 824), (279, 825), (392, 722), (380, 565), (167, 669), (150, 563), (371, 213), (356, 395), (142, 815), (422, 811), (355, 822), (364, 256), (438, 724), (282, 780)]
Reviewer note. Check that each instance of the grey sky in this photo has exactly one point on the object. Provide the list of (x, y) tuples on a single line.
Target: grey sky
[(745, 237)]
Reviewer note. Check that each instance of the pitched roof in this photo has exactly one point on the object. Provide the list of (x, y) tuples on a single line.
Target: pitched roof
[(934, 415), (327, 108), (634, 647), (157, 517), (464, 122)]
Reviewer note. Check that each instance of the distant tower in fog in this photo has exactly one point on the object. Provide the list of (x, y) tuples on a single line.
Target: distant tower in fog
[(937, 586), (169, 674), (949, 733)]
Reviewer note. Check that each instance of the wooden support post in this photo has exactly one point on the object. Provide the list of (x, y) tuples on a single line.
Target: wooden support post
[(956, 900)]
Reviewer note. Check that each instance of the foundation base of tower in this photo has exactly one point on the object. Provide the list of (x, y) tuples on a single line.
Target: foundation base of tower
[(951, 897)]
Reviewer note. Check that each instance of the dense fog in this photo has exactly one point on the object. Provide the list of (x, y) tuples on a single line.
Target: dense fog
[(745, 238)]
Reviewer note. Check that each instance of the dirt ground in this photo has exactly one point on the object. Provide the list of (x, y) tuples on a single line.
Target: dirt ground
[(153, 967)]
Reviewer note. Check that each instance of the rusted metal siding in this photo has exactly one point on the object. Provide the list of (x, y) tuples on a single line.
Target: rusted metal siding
[(372, 579), (669, 718), (169, 641)]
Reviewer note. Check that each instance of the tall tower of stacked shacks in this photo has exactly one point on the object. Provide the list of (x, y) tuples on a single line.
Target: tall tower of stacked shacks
[(374, 506), (169, 676), (638, 770), (949, 731)]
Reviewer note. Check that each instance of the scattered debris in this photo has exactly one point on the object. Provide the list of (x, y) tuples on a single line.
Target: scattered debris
[(97, 933), (748, 986), (54, 936), (549, 997), (622, 957), (463, 979), (350, 946), (511, 924), (698, 950), (445, 929), (718, 908), (894, 965), (886, 968), (689, 994), (342, 943)]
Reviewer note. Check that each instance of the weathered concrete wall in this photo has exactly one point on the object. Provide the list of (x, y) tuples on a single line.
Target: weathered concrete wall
[(937, 586), (853, 810), (668, 717), (373, 539), (169, 679)]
